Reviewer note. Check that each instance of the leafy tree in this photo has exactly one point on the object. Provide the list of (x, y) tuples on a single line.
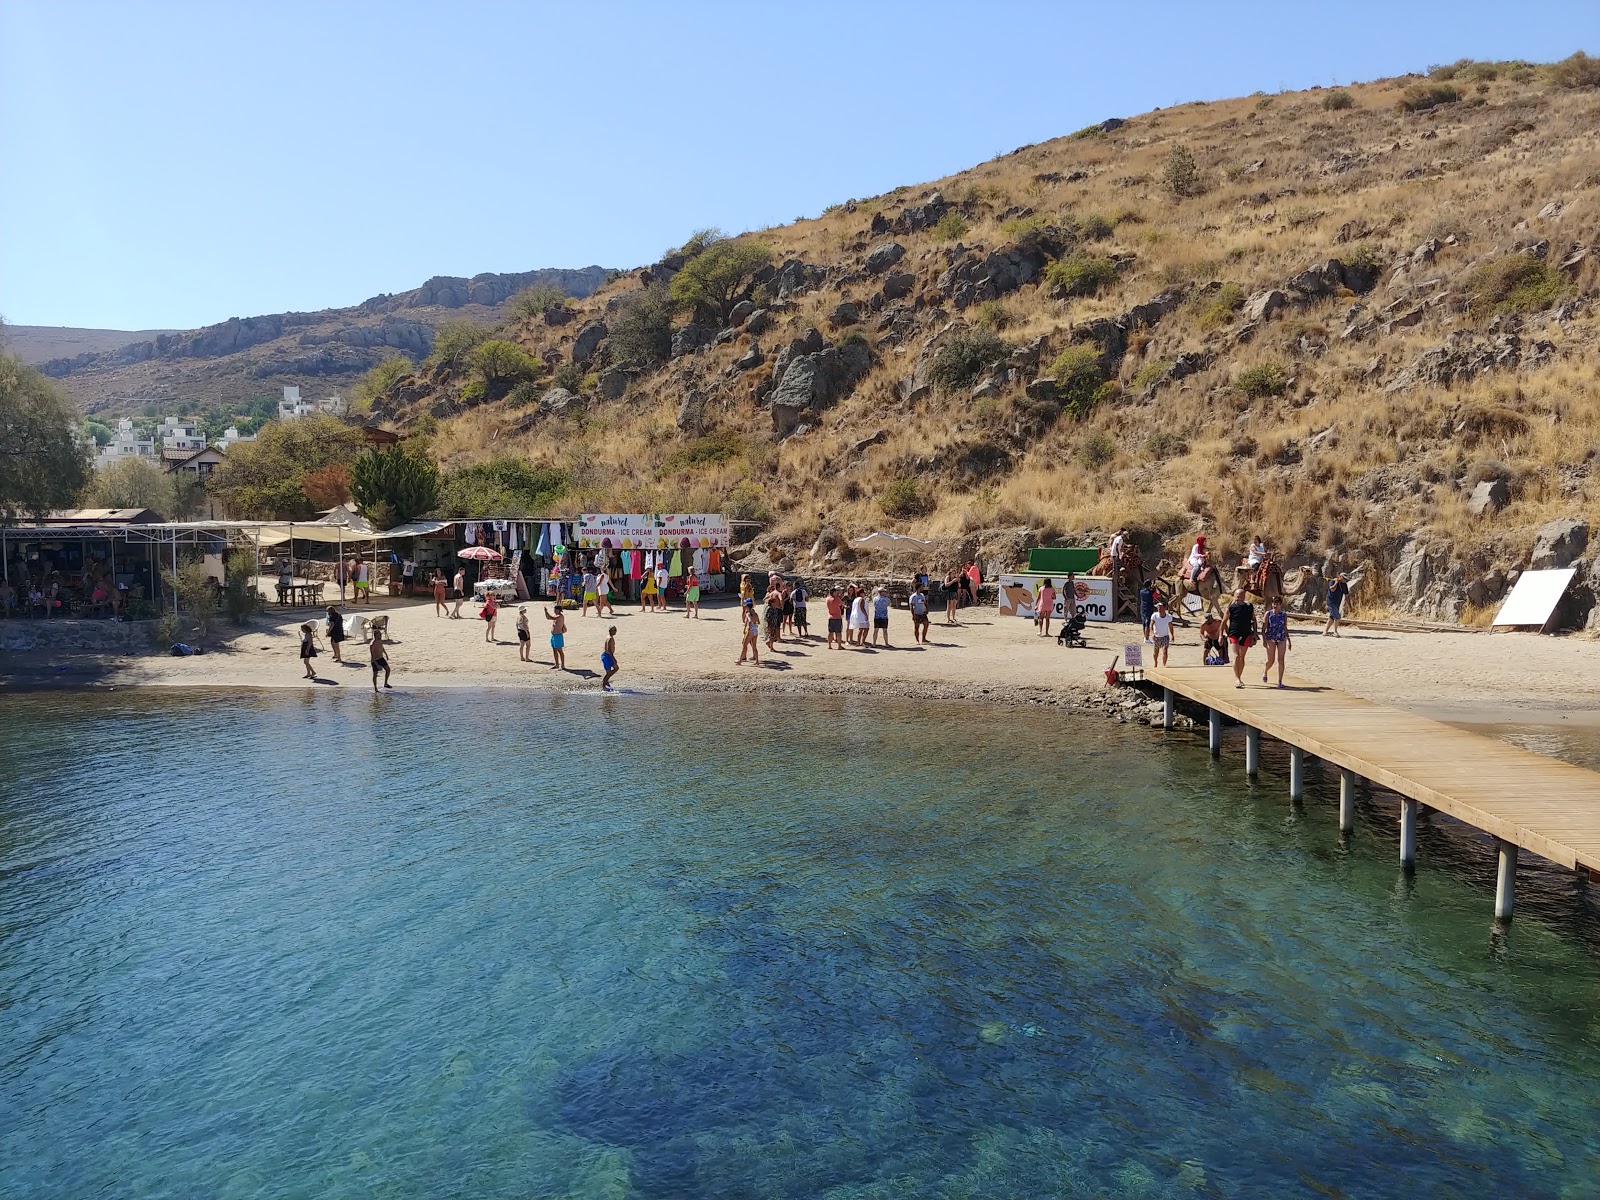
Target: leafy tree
[(501, 365), (102, 433), (1079, 374), (711, 281), (42, 464), (1179, 175), (641, 329), (529, 304), (699, 240), (131, 483), (505, 487), (327, 487), (454, 342), (964, 357), (261, 480), (394, 486), (378, 380), (196, 594)]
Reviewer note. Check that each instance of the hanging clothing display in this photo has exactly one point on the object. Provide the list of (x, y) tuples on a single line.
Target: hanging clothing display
[(677, 562), (716, 561)]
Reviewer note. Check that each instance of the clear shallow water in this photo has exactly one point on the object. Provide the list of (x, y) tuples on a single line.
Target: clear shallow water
[(517, 945)]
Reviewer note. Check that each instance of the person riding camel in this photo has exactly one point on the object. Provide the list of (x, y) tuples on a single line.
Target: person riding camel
[(1199, 558), (1257, 554)]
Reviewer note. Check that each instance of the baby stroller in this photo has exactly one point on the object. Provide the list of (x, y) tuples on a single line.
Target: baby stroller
[(1072, 631)]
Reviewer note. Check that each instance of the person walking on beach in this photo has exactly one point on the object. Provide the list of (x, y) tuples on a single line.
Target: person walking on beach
[(440, 609), (590, 595), (663, 583), (308, 648), (918, 604), (880, 617), (363, 583), (461, 592), (799, 597), (774, 612), (1338, 592), (974, 579), (786, 589), (380, 659), (608, 659), (691, 595), (1044, 607), (1161, 636), (1275, 637), (408, 573), (558, 638), (285, 581), (1147, 606), (647, 591), (489, 611), (602, 593), (524, 636), (835, 606), (1241, 632), (952, 594), (751, 625), (335, 631), (859, 621)]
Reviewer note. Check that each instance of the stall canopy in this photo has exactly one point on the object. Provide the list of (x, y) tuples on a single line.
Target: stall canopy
[(360, 531)]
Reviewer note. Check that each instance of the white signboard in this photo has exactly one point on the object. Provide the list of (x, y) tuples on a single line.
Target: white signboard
[(617, 531), (1535, 597), (1018, 594), (703, 530)]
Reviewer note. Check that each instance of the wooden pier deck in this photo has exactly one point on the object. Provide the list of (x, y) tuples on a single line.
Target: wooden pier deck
[(1520, 798)]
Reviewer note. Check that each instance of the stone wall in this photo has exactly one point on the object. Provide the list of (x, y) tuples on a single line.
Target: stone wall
[(72, 635)]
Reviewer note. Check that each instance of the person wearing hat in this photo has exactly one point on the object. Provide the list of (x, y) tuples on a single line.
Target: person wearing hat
[(880, 616), (1338, 591), (1198, 557), (524, 635)]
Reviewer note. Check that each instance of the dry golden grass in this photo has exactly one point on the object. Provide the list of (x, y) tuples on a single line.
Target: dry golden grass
[(1287, 184)]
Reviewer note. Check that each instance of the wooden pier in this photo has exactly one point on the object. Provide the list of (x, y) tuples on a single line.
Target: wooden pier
[(1521, 799)]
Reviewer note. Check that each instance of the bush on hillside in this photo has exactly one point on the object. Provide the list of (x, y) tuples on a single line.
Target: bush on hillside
[(1080, 375), (1579, 71), (1179, 174), (1079, 275), (712, 279), (377, 382), (1216, 309), (904, 499), (1097, 448), (1164, 444), (525, 395), (1096, 227), (951, 227), (1017, 226), (454, 341), (501, 365), (510, 487), (1516, 283), (964, 357), (1262, 380), (1148, 375), (746, 501), (713, 450), (1420, 97), (993, 314), (1337, 99), (641, 328), (568, 376), (530, 303)]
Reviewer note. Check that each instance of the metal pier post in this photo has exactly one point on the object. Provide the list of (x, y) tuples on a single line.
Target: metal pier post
[(1408, 832), (1214, 724), (1297, 773), (1347, 801), (1252, 751), (1167, 706), (1505, 882)]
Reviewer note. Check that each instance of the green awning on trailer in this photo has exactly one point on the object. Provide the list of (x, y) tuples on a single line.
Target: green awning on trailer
[(1058, 560)]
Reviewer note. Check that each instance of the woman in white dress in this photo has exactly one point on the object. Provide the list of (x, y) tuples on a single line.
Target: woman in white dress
[(859, 622)]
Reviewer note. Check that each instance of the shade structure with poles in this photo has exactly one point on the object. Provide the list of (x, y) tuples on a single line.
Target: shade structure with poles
[(895, 544)]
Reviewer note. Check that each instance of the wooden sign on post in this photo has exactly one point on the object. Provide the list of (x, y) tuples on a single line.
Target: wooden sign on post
[(1133, 659)]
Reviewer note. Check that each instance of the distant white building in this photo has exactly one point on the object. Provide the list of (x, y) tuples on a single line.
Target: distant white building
[(291, 407), (230, 435), (126, 444), (177, 434)]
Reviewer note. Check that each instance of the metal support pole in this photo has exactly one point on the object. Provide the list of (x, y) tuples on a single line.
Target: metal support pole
[(1347, 801), (1252, 751), (1214, 723), (1408, 832), (1166, 708), (174, 574), (1297, 773), (1505, 883)]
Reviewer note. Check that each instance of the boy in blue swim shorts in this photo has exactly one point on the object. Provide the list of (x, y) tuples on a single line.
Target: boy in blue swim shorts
[(558, 638)]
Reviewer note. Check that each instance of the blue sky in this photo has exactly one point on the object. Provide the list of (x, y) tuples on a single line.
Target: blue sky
[(172, 165)]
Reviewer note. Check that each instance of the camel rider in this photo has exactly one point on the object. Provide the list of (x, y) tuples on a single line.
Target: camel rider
[(1116, 545), (1199, 558), (1258, 552)]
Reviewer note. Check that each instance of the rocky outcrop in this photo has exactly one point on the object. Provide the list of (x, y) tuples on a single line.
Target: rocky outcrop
[(558, 400), (883, 257), (1489, 496), (1558, 543), (1428, 582), (689, 339), (973, 278), (795, 278), (813, 382), (587, 342), (1464, 355)]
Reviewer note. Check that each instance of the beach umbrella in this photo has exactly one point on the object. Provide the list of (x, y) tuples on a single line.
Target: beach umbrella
[(895, 544), (479, 554)]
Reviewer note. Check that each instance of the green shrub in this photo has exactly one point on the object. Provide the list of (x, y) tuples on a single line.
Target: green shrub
[(993, 314), (569, 376), (1149, 374), (711, 281), (746, 501), (530, 303), (454, 341), (1579, 71), (951, 227), (965, 356), (398, 482), (1127, 216), (525, 395), (710, 451), (1097, 448), (1080, 275), (1365, 258), (1516, 283), (1179, 175), (1079, 374), (1262, 380), (641, 328), (1446, 71), (506, 487), (239, 596), (1216, 309), (1337, 99), (1096, 227), (501, 365), (164, 631), (1420, 97), (904, 499), (1164, 444), (378, 380), (1018, 226), (473, 392)]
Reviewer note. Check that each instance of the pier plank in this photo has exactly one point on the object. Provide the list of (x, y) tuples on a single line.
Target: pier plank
[(1530, 800)]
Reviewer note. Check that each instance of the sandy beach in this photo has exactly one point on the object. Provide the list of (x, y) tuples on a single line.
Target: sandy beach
[(1462, 677)]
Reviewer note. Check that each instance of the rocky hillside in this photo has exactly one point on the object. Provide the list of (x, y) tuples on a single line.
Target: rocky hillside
[(321, 351), (1360, 321)]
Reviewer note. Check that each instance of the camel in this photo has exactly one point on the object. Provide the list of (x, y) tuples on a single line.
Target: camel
[(1209, 590), (1265, 580)]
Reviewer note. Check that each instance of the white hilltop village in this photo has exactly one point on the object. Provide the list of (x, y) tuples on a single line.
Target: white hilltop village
[(178, 444)]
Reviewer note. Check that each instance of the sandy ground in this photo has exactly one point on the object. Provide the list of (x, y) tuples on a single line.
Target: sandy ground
[(1460, 677)]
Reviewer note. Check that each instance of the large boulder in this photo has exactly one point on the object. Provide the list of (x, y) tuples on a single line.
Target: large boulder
[(924, 215), (1425, 581), (1490, 496), (883, 257), (972, 278), (614, 382), (587, 342), (690, 338), (741, 310), (814, 382), (1558, 543), (809, 342), (796, 277), (898, 284), (1263, 304), (844, 313), (558, 400)]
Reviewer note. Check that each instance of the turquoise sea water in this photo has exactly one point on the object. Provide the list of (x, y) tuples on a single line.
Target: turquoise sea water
[(509, 945)]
